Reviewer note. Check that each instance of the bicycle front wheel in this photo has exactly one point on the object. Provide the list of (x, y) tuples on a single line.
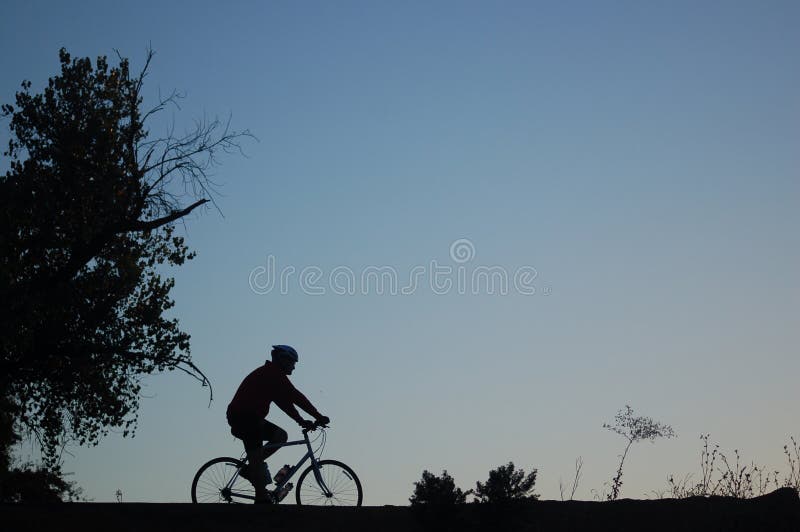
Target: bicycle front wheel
[(344, 488), (218, 481)]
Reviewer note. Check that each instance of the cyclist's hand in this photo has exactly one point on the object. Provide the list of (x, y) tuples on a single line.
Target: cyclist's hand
[(323, 420), (306, 424)]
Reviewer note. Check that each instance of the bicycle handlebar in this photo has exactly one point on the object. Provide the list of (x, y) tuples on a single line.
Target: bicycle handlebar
[(317, 425)]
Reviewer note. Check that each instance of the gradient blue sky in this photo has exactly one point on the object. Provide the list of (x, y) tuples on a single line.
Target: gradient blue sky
[(642, 156)]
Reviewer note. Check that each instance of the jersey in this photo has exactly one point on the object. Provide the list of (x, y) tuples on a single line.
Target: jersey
[(266, 385)]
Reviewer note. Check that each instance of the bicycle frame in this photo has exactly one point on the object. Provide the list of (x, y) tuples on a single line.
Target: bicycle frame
[(309, 455)]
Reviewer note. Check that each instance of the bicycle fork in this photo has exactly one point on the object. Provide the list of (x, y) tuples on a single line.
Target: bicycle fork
[(321, 482)]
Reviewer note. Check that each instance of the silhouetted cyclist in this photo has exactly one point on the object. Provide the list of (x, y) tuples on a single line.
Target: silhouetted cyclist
[(250, 406)]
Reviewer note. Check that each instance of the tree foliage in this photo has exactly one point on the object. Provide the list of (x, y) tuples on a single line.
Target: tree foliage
[(506, 484), (26, 483), (87, 222), (437, 491)]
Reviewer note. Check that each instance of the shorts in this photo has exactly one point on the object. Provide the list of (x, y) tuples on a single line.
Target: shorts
[(254, 430)]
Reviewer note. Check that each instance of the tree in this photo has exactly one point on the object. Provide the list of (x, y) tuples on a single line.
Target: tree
[(437, 491), (506, 484), (633, 429), (87, 216)]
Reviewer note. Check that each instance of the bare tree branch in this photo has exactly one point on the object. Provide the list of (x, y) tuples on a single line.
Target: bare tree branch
[(149, 225)]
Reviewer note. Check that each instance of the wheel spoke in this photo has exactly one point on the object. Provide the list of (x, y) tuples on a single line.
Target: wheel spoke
[(215, 482), (343, 488)]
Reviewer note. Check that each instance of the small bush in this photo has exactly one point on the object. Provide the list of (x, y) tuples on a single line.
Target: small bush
[(506, 484), (792, 478), (437, 491), (36, 485), (633, 429), (735, 478)]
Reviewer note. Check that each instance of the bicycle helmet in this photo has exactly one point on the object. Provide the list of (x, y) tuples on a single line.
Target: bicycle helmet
[(286, 351)]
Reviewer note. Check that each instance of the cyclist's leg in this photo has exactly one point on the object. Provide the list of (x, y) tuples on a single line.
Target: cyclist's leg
[(272, 433), (256, 454), (248, 429), (255, 466)]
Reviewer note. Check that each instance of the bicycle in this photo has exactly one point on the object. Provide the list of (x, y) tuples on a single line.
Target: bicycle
[(331, 484)]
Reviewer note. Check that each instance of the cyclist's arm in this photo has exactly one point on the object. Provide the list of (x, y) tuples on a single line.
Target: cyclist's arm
[(302, 401), (290, 410), (290, 396)]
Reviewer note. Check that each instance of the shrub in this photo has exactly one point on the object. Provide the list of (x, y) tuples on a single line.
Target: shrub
[(31, 484), (633, 429), (506, 484), (438, 491), (735, 478), (792, 478)]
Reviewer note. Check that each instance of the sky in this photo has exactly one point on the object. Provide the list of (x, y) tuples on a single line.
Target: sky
[(627, 175)]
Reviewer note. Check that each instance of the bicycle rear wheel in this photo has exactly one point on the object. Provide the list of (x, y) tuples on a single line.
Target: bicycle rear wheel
[(341, 481), (218, 481)]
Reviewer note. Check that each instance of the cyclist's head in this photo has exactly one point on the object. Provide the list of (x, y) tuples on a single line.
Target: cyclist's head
[(285, 356)]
